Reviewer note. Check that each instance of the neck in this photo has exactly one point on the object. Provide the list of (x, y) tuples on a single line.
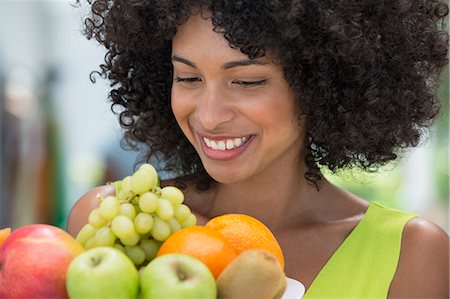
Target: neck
[(279, 200)]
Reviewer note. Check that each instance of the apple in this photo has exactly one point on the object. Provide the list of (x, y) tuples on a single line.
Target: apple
[(177, 275), (102, 272), (34, 260)]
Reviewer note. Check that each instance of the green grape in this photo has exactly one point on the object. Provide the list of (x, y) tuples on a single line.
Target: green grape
[(173, 194), (127, 209), (181, 212), (157, 191), (109, 207), (117, 186), (131, 239), (135, 200), (104, 237), (160, 230), (95, 219), (136, 254), (191, 220), (165, 209), (90, 244), (142, 181), (137, 209), (122, 226), (119, 247), (148, 202), (122, 196), (126, 186), (139, 217), (143, 223), (150, 248), (150, 169), (174, 225), (86, 233)]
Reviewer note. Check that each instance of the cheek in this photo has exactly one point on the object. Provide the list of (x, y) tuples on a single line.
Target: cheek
[(276, 113), (180, 107)]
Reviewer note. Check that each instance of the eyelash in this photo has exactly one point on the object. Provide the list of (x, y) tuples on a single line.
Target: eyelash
[(251, 83), (187, 80), (242, 83)]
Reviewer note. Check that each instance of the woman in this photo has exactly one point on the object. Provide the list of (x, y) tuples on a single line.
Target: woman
[(244, 101)]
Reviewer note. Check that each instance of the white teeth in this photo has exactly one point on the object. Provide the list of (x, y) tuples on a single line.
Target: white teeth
[(238, 142), (208, 143), (230, 144), (226, 144), (221, 145)]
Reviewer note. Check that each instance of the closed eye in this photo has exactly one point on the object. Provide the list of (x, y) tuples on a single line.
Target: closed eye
[(187, 79), (250, 83)]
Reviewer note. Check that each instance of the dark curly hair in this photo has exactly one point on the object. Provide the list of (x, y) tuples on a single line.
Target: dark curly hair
[(365, 72)]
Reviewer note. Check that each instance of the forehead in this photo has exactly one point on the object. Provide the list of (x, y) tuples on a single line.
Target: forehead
[(196, 38)]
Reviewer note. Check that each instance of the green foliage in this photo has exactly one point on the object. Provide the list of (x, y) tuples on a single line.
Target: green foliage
[(381, 186), (440, 143)]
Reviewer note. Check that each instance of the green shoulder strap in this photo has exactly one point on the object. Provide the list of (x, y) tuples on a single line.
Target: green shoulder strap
[(365, 264)]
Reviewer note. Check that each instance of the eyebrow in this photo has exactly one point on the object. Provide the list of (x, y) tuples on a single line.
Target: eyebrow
[(225, 66), (183, 60)]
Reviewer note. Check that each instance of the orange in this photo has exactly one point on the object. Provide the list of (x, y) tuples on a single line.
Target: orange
[(203, 243), (4, 233), (246, 232)]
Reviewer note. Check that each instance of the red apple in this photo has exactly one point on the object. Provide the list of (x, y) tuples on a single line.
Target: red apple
[(34, 261)]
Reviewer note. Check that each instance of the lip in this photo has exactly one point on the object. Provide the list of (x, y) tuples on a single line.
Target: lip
[(225, 154)]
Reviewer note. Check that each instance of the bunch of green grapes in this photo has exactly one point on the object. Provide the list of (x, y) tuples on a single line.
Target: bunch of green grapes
[(138, 218)]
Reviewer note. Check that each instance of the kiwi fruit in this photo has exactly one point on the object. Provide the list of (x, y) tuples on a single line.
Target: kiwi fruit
[(255, 273)]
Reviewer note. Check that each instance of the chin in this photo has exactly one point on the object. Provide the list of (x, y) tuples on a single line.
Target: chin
[(229, 171), (225, 180), (225, 176)]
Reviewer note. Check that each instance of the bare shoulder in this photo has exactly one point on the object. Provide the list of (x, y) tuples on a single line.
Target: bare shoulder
[(79, 213), (423, 269)]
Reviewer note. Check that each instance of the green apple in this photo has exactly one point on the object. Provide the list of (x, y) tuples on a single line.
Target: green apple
[(177, 275), (102, 272)]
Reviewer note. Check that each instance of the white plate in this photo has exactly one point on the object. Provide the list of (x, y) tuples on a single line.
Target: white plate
[(294, 290)]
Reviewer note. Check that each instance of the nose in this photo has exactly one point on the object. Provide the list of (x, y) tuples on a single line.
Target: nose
[(214, 108)]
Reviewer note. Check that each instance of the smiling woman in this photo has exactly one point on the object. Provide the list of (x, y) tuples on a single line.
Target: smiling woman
[(219, 96), (245, 101)]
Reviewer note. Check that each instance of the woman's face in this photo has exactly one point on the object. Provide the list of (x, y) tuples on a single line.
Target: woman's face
[(239, 114)]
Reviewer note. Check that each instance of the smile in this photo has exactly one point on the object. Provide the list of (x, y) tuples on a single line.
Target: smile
[(225, 144)]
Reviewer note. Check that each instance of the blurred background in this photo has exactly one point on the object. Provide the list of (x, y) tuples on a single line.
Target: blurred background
[(59, 137)]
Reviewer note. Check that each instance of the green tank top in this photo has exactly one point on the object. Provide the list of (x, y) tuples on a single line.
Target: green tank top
[(365, 263)]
